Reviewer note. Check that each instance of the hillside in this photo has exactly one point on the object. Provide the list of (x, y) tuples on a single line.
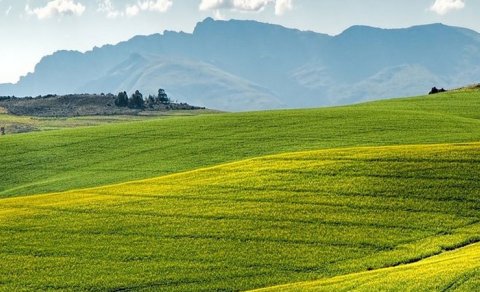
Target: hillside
[(77, 105), (249, 224), (373, 195), (457, 270), (246, 65), (14, 124), (86, 157)]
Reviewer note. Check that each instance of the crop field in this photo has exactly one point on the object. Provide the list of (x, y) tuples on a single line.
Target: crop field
[(22, 124), (53, 161), (249, 224), (377, 196), (457, 270)]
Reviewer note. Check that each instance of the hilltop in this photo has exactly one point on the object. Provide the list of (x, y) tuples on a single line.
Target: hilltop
[(248, 65), (85, 157), (78, 105)]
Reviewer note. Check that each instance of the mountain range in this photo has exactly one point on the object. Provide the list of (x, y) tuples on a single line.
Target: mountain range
[(246, 65)]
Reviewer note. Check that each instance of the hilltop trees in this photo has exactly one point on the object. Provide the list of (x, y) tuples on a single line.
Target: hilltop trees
[(162, 97), (158, 102), (122, 99), (86, 104), (136, 101), (435, 90)]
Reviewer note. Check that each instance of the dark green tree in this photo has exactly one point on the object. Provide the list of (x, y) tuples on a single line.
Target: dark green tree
[(122, 99), (162, 97), (136, 101), (150, 101)]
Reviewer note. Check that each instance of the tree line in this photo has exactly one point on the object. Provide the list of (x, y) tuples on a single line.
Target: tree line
[(137, 101)]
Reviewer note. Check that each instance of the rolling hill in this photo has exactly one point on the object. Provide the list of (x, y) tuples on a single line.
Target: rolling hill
[(14, 124), (246, 65), (249, 224), (367, 195), (86, 157), (457, 270), (76, 105)]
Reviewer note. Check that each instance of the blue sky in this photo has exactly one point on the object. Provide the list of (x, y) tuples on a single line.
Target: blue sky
[(30, 29)]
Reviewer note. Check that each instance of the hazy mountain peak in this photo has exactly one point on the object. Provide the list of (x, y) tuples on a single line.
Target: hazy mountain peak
[(359, 29), (424, 28), (211, 26), (445, 31), (242, 64)]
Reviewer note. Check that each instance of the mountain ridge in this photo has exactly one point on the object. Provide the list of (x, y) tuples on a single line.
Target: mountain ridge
[(249, 65)]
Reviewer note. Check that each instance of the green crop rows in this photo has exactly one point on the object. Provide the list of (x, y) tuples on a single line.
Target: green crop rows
[(382, 195), (85, 157)]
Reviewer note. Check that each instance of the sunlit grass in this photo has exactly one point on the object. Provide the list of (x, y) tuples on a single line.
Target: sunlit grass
[(250, 224), (86, 157), (457, 270)]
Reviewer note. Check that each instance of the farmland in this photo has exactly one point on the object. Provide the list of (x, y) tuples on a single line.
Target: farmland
[(249, 224), (362, 196), (15, 124), (457, 270), (54, 161)]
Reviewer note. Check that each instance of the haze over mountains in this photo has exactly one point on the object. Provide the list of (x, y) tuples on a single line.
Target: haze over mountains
[(247, 65)]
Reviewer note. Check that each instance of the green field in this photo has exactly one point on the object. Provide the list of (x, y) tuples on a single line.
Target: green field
[(23, 124), (85, 157), (249, 224), (457, 270), (381, 195)]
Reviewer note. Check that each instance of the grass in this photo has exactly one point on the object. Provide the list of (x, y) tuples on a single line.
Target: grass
[(255, 223), (66, 159), (228, 209), (22, 124), (457, 270)]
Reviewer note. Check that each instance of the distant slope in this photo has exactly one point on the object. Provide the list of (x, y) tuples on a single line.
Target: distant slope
[(255, 223), (204, 85), (81, 105), (76, 158), (23, 124), (247, 65), (457, 270)]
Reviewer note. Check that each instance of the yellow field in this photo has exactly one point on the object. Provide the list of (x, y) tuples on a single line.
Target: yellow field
[(257, 223), (457, 270)]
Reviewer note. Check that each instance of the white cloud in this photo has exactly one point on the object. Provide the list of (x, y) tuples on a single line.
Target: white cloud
[(443, 7), (106, 6), (57, 8), (241, 5), (281, 6), (156, 6), (132, 10)]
